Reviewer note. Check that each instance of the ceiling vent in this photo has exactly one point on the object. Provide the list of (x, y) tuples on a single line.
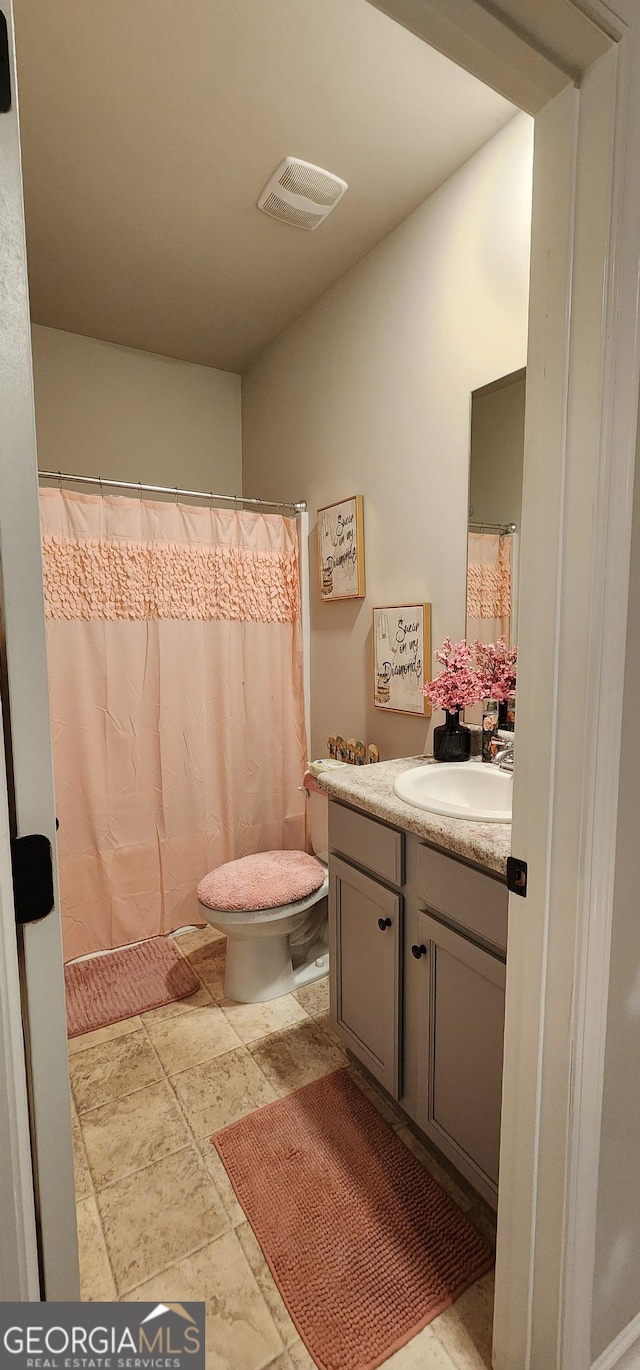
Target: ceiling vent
[(301, 194)]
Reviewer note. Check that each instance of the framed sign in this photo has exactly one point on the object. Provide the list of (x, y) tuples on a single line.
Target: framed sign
[(341, 549), (401, 654)]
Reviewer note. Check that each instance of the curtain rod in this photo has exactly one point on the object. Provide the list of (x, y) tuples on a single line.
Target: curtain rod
[(493, 527), (139, 487)]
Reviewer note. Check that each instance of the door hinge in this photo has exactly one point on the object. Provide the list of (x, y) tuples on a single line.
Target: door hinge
[(32, 865), (517, 876), (5, 70)]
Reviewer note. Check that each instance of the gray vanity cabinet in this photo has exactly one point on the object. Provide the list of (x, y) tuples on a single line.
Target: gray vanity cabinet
[(418, 943), (365, 952), (459, 1040)]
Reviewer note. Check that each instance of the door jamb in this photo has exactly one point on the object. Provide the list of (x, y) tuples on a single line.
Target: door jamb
[(31, 786), (555, 1051), (19, 1274)]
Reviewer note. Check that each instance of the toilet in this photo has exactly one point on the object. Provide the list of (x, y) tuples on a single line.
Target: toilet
[(273, 909)]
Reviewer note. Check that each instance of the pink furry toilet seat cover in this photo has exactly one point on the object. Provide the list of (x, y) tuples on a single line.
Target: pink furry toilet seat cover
[(262, 881)]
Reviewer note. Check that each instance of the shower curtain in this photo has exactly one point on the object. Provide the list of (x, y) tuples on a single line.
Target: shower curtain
[(176, 692), (489, 587)]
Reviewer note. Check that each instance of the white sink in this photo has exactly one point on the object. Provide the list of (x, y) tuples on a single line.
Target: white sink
[(474, 790)]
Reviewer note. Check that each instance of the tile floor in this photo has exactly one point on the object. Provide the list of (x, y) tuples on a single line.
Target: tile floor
[(157, 1216)]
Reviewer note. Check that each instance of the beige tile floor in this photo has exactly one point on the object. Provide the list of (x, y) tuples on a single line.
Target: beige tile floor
[(157, 1215)]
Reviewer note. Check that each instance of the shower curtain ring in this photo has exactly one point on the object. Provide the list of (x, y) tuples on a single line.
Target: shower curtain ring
[(211, 499), (100, 484), (140, 491), (60, 480), (176, 494)]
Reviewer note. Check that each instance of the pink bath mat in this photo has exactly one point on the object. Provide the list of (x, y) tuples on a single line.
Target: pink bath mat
[(106, 989), (365, 1247)]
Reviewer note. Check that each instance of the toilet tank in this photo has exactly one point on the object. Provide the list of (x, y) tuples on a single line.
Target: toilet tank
[(318, 809), (318, 818)]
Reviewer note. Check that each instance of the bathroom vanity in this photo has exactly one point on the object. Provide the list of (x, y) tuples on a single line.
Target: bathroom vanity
[(418, 941)]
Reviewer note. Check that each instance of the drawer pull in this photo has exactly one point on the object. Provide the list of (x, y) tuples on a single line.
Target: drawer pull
[(418, 951), (384, 923)]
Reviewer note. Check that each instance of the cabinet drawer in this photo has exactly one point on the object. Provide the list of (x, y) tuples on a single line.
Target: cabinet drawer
[(472, 900), (367, 842)]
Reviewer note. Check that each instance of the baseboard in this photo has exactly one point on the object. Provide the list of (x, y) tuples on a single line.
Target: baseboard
[(624, 1352)]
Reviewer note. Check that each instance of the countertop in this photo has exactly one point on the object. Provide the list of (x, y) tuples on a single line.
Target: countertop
[(370, 788)]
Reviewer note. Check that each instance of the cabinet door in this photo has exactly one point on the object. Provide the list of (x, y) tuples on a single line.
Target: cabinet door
[(365, 957), (460, 1048)]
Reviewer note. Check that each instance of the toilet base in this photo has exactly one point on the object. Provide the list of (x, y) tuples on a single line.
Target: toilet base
[(260, 969), (312, 970)]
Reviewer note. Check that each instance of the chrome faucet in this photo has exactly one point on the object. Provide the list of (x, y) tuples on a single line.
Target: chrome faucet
[(504, 758)]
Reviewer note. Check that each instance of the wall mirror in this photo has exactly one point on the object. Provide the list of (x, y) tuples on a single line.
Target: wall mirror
[(495, 506)]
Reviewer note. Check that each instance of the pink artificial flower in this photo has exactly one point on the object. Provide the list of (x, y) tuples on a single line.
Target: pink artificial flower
[(460, 684), (496, 664)]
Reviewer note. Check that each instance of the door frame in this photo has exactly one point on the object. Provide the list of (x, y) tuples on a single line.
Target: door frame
[(576, 68), (37, 1018), (19, 1275)]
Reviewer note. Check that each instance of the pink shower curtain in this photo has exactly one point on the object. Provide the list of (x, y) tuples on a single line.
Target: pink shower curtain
[(175, 666), (489, 587)]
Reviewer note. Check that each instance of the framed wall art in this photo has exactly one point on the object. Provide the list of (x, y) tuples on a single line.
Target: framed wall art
[(401, 657), (341, 549)]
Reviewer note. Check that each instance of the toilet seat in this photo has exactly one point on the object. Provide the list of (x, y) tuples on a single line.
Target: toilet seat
[(263, 881), (251, 917)]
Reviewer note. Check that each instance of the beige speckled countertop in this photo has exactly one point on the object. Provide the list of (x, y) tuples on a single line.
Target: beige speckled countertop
[(370, 788)]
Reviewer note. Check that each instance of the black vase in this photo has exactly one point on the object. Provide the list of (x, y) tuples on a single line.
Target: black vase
[(452, 740)]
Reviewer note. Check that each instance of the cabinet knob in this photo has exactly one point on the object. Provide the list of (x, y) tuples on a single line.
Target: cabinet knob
[(384, 923), (418, 951)]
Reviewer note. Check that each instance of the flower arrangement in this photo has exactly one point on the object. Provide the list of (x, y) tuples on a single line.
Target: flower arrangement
[(460, 684), (487, 670), (497, 665)]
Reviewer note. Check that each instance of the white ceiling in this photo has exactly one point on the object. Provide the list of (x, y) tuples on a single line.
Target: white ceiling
[(150, 128)]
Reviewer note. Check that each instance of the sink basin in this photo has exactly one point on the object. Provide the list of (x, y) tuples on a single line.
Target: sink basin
[(470, 789)]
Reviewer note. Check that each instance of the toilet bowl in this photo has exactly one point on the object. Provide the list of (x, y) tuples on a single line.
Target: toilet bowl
[(281, 946)]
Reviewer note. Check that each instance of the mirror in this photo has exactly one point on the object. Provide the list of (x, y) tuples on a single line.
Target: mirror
[(495, 507)]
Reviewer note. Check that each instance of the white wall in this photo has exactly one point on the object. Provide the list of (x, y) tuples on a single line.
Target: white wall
[(105, 410), (369, 393)]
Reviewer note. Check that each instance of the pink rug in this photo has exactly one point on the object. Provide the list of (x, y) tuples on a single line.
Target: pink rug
[(106, 989), (364, 1246)]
